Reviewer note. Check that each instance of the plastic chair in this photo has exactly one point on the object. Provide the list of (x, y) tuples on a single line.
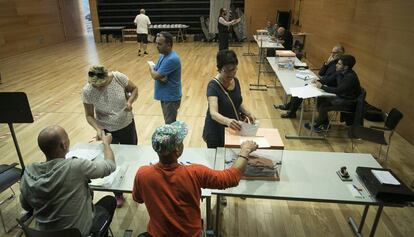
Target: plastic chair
[(9, 175), (29, 232), (377, 134), (353, 115)]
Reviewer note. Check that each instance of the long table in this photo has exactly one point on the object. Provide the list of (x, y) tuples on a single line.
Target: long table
[(289, 80), (306, 176), (264, 43), (129, 158)]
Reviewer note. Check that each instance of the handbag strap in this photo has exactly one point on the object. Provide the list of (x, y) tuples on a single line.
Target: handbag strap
[(228, 96)]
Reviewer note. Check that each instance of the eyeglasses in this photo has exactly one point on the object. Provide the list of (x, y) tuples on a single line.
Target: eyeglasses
[(229, 70), (97, 74)]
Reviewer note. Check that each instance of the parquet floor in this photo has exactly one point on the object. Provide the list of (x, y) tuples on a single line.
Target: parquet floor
[(53, 78)]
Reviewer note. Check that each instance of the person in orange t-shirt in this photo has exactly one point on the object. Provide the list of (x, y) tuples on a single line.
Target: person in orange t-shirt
[(171, 192)]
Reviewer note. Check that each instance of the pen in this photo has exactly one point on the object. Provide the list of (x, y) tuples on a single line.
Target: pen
[(358, 189)]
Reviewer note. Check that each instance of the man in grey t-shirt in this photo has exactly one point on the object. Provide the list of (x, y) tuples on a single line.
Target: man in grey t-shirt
[(57, 190)]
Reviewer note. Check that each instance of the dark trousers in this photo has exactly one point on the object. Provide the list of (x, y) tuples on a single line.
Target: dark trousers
[(127, 136), (104, 211), (326, 104), (170, 110), (294, 104), (223, 41), (214, 143)]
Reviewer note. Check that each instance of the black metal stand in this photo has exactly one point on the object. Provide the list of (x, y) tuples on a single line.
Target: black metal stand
[(16, 144), (15, 108)]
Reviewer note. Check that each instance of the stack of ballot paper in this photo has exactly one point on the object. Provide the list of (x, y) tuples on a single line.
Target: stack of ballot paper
[(107, 181), (285, 53), (300, 64), (88, 154), (385, 177), (306, 75), (304, 92)]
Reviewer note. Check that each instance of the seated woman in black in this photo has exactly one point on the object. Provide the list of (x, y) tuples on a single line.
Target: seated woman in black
[(225, 102)]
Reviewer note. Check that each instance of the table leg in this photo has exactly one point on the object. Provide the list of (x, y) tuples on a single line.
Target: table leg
[(300, 128), (358, 230), (217, 229), (376, 221), (209, 227)]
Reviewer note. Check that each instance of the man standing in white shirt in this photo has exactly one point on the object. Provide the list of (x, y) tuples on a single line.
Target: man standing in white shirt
[(142, 22)]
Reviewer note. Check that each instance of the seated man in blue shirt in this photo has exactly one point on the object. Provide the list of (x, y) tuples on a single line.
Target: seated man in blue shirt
[(328, 69), (167, 76)]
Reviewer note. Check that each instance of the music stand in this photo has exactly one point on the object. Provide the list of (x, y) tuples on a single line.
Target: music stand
[(15, 108)]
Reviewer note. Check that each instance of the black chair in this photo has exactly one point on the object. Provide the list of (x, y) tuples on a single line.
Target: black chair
[(377, 134), (29, 232), (353, 115), (9, 175)]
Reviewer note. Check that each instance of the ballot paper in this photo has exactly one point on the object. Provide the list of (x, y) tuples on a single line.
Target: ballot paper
[(385, 177), (300, 64), (304, 92), (305, 75), (355, 192), (261, 141), (88, 154), (117, 175), (248, 129), (151, 63)]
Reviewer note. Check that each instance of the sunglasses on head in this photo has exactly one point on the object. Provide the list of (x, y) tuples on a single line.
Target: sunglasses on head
[(97, 74)]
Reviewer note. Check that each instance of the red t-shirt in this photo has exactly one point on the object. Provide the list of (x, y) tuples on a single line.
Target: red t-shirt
[(172, 195)]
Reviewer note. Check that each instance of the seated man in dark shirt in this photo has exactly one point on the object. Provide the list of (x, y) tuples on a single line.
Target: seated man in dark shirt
[(285, 37), (345, 84), (328, 69)]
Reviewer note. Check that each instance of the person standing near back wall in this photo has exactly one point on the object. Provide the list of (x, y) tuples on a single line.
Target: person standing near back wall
[(142, 22), (223, 28)]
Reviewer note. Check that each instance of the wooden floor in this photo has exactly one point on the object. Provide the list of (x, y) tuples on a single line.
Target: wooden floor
[(53, 78)]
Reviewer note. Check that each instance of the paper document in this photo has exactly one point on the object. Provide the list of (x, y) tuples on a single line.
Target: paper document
[(306, 75), (261, 141), (88, 154), (300, 64), (385, 177), (354, 191), (305, 92), (151, 63), (118, 175), (248, 129)]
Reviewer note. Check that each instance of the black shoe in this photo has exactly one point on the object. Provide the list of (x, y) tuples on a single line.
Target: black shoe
[(288, 115), (282, 107), (145, 52)]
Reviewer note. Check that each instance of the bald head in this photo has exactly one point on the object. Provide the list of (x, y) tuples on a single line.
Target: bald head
[(142, 11), (281, 30), (54, 142), (339, 48)]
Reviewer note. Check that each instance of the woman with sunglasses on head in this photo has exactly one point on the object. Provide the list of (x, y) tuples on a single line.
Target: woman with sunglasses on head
[(225, 102), (108, 109)]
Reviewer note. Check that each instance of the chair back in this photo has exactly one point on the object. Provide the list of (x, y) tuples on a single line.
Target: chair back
[(29, 232), (393, 119), (360, 109)]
